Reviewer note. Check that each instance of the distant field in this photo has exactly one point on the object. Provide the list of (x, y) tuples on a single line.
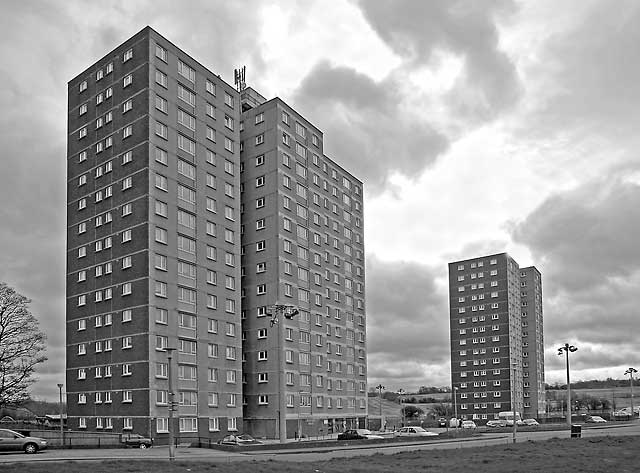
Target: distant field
[(593, 455), (620, 396)]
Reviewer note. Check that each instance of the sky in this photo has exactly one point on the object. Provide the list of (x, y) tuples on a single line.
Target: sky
[(477, 128)]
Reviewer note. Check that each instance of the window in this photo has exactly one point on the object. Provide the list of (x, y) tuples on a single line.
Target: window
[(161, 235), (186, 95), (161, 130), (161, 78), (83, 86), (211, 87), (228, 100), (228, 144), (186, 72), (186, 119), (211, 111), (162, 104), (127, 81), (126, 343)]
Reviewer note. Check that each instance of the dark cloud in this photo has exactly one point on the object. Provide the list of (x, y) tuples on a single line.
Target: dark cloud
[(416, 30), (365, 126), (584, 241), (585, 236), (408, 324)]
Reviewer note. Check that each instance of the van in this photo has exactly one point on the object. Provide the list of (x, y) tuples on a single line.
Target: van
[(508, 417)]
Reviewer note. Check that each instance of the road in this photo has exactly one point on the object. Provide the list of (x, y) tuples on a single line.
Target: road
[(323, 453)]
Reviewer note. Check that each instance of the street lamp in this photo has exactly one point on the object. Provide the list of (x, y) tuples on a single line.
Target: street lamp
[(401, 392), (172, 447), (631, 372), (380, 387), (289, 312), (60, 386), (566, 349)]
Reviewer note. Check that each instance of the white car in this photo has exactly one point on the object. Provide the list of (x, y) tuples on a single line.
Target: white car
[(468, 424), (413, 432), (530, 422), (595, 419)]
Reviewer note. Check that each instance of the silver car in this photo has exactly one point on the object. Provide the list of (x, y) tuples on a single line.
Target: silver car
[(11, 440)]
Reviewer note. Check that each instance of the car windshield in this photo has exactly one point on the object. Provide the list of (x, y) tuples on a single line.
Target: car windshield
[(364, 432), (419, 429), (17, 434), (245, 437)]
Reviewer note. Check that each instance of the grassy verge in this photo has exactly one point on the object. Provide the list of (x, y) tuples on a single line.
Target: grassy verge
[(593, 455)]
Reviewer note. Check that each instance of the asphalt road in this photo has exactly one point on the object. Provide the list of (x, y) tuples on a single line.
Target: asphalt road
[(324, 453)]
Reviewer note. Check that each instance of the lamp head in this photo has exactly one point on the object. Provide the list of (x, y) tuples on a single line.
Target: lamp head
[(291, 313)]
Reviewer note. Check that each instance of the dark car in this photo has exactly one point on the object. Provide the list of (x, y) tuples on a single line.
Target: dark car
[(136, 441), (11, 440), (442, 422), (358, 434)]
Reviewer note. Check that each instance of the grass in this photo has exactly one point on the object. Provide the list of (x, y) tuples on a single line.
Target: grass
[(593, 455)]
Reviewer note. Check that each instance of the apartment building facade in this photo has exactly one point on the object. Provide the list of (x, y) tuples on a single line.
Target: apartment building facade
[(153, 243), (303, 246), (491, 366), (178, 238), (532, 342)]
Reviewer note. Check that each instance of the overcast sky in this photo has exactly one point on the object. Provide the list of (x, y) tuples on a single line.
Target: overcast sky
[(477, 127)]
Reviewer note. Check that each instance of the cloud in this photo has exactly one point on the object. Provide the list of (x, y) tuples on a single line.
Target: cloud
[(585, 236), (584, 241), (489, 82), (366, 127), (408, 324), (586, 82)]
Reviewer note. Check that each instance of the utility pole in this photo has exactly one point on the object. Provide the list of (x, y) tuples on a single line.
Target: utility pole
[(380, 387), (60, 386), (631, 372), (172, 447)]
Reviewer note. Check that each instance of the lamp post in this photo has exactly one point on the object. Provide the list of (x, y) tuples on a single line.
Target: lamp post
[(380, 387), (455, 403), (568, 349), (289, 312), (172, 447), (60, 386), (401, 393), (513, 401), (631, 372)]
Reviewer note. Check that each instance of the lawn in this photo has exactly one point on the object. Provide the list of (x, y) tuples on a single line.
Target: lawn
[(594, 455)]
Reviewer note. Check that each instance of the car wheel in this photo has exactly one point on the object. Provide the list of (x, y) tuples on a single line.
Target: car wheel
[(30, 448), (143, 445)]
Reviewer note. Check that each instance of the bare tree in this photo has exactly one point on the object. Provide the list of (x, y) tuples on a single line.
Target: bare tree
[(22, 346)]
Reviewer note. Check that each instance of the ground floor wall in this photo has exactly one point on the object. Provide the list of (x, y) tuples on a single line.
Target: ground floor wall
[(304, 427)]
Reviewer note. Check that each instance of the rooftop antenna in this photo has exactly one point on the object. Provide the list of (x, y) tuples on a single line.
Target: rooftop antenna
[(239, 78)]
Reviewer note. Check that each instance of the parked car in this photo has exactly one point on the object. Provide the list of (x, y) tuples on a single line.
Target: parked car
[(518, 422), (11, 440), (497, 423), (136, 441), (468, 424), (243, 439), (530, 422), (442, 422), (358, 434), (413, 432), (594, 419)]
